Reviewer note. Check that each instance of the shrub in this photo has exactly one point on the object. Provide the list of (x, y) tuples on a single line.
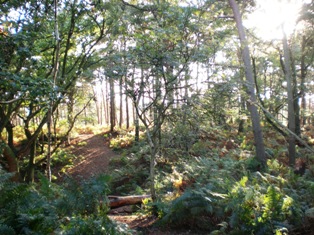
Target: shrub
[(46, 208), (226, 196)]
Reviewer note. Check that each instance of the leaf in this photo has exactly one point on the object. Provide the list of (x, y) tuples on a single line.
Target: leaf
[(310, 213)]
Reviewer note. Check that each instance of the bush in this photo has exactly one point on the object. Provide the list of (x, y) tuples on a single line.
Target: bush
[(46, 208), (225, 195)]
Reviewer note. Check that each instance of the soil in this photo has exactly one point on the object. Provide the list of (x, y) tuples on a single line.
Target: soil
[(93, 158), (93, 154)]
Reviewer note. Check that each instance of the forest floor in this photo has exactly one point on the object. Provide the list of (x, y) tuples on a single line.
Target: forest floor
[(94, 156)]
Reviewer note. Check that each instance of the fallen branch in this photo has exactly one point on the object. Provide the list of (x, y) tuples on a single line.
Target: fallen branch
[(118, 201), (287, 129)]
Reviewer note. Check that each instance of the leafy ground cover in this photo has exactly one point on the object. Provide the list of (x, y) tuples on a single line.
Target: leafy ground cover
[(215, 185), (212, 186)]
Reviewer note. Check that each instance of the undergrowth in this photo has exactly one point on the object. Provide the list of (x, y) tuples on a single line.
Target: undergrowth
[(213, 183), (46, 208)]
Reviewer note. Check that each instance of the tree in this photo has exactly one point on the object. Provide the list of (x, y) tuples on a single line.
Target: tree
[(291, 110), (158, 60), (305, 38), (29, 85), (258, 136)]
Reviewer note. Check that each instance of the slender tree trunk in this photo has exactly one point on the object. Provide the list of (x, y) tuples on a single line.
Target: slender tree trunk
[(70, 106), (291, 111), (105, 101), (258, 135), (295, 97), (49, 144), (112, 106), (121, 102), (242, 107), (302, 87), (98, 110), (104, 105), (55, 74), (127, 115), (135, 104)]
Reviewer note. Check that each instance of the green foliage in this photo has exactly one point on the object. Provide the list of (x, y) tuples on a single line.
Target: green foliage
[(94, 225), (6, 230), (46, 208), (62, 157), (226, 192), (124, 139), (192, 209), (131, 174), (181, 136)]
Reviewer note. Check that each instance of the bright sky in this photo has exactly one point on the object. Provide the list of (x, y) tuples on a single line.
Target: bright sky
[(271, 14)]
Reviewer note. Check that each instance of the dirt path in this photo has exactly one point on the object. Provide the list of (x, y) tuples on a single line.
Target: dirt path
[(96, 154)]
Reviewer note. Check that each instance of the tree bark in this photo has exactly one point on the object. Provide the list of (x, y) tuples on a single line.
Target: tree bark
[(117, 201), (11, 159), (291, 111), (302, 86), (258, 135), (295, 95), (121, 102), (112, 106)]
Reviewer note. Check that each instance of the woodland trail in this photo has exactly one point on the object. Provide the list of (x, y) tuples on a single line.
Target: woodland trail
[(94, 154)]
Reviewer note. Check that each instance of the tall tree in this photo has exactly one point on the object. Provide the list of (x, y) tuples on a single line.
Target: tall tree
[(112, 105), (290, 100), (162, 48), (257, 130)]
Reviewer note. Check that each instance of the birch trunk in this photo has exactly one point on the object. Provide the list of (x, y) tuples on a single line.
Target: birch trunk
[(257, 130), (291, 111)]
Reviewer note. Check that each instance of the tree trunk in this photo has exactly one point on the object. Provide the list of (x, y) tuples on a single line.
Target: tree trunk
[(55, 75), (98, 110), (105, 101), (302, 86), (258, 135), (112, 106), (295, 95), (31, 164), (127, 115), (13, 165), (136, 103), (291, 111), (117, 201), (70, 106), (121, 102)]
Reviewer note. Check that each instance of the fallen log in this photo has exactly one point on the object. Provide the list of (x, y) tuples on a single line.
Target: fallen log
[(118, 201)]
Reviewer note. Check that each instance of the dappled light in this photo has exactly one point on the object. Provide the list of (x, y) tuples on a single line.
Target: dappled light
[(156, 117)]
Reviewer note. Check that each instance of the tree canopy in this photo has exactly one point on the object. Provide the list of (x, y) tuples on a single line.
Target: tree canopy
[(168, 71)]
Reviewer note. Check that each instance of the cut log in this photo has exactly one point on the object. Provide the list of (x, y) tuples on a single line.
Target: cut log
[(117, 201)]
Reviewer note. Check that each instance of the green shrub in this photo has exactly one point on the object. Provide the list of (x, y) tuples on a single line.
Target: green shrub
[(194, 209), (62, 157), (46, 208), (227, 196)]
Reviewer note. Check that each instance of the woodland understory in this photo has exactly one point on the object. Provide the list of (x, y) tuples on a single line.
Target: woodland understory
[(209, 122)]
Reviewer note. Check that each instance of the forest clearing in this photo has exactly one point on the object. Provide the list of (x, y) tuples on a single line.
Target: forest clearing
[(156, 117)]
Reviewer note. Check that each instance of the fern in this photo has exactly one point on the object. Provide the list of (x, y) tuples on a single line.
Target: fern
[(6, 230), (42, 208), (92, 226), (198, 208), (185, 209), (272, 202)]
